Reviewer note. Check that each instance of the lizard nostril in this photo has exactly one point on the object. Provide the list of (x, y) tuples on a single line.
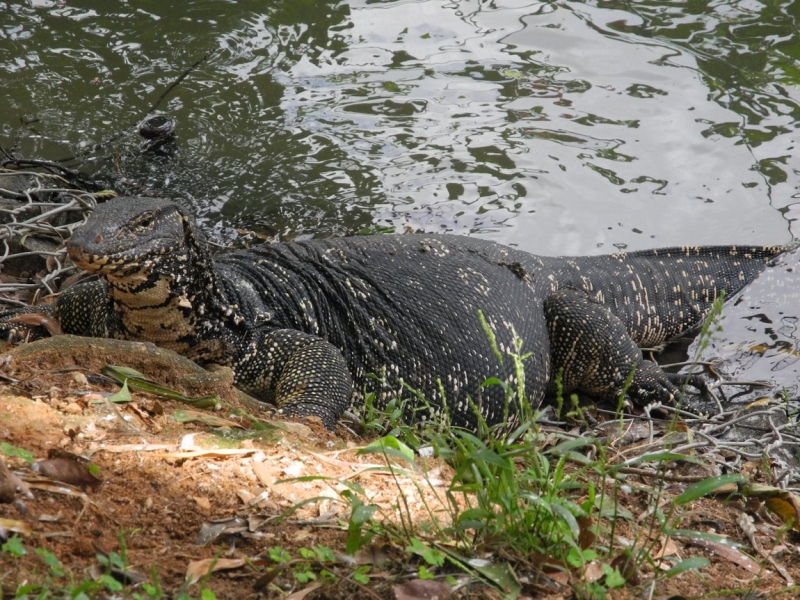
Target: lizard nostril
[(98, 238)]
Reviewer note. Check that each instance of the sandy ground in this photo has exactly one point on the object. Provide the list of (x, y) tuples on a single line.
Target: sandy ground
[(182, 491)]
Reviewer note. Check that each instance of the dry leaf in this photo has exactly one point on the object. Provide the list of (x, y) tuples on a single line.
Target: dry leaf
[(783, 503), (547, 563), (245, 496), (198, 569), (290, 427), (52, 326), (667, 548), (68, 470), (154, 408), (787, 507), (301, 535), (205, 418), (725, 490), (323, 507), (125, 448), (51, 518), (262, 500), (214, 529), (371, 555), (300, 594), (758, 402), (203, 504), (421, 589), (727, 552), (593, 572), (561, 577), (15, 527), (55, 487), (626, 565), (263, 473), (255, 522), (745, 521), (586, 536), (212, 452)]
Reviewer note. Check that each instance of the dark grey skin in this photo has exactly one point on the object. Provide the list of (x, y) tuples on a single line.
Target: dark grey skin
[(304, 324)]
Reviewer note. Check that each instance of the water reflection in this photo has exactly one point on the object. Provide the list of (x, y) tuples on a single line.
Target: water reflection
[(758, 339), (563, 127)]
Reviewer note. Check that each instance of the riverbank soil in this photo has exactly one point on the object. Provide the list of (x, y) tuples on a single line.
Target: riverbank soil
[(192, 499)]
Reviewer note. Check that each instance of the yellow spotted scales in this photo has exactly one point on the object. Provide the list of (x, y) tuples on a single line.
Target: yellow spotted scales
[(311, 326)]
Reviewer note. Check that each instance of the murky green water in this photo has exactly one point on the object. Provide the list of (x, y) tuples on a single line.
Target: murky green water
[(562, 127)]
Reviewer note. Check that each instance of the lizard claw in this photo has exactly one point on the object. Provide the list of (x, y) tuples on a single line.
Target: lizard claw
[(651, 384), (26, 324)]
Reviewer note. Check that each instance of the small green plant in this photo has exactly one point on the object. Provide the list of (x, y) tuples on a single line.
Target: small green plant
[(360, 516), (279, 555), (59, 582), (361, 574), (506, 493), (511, 495), (51, 561), (663, 524), (13, 451), (311, 562), (424, 573), (152, 590), (578, 558), (14, 547), (515, 396), (431, 556), (382, 420), (303, 573)]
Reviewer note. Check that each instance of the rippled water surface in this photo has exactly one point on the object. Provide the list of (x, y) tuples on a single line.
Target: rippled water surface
[(561, 127)]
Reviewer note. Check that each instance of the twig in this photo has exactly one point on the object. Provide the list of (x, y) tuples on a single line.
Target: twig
[(28, 213), (152, 108), (180, 78)]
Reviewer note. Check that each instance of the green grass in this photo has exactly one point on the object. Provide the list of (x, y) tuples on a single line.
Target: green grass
[(526, 499), (54, 580)]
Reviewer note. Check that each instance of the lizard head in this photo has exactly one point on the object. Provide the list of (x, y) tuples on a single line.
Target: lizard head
[(132, 234), (152, 256)]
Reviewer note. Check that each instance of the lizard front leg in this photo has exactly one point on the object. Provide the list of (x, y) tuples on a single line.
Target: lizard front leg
[(83, 309), (300, 373)]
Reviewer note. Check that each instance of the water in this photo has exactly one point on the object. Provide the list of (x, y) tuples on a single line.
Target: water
[(563, 128), (759, 338), (559, 127)]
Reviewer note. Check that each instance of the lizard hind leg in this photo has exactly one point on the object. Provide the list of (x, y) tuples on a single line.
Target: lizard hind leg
[(595, 354)]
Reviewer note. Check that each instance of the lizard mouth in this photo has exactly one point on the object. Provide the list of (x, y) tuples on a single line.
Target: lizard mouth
[(82, 259), (93, 263)]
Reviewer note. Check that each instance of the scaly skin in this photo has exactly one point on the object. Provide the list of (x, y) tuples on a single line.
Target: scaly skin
[(304, 324)]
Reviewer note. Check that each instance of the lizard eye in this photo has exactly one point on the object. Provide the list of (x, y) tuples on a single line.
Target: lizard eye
[(145, 220)]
